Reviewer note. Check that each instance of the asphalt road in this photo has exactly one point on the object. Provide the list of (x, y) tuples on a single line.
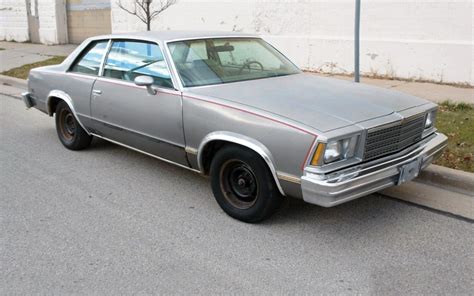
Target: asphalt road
[(108, 220)]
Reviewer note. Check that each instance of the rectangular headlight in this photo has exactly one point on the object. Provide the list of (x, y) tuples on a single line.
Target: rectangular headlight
[(340, 149), (430, 119), (333, 151)]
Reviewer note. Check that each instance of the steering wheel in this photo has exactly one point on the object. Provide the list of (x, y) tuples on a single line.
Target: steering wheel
[(247, 65)]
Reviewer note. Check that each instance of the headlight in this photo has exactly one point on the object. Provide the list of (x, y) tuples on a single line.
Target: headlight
[(335, 150), (430, 118)]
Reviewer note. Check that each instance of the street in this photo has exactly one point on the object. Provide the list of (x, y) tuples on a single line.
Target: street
[(108, 220)]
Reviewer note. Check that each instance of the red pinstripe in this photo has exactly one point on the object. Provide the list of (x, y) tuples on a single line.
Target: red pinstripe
[(269, 118), (253, 113), (307, 154), (238, 109)]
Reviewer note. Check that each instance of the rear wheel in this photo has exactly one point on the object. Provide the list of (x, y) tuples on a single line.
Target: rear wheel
[(243, 185), (70, 132)]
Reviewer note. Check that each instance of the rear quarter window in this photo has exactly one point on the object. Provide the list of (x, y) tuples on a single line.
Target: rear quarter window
[(90, 59)]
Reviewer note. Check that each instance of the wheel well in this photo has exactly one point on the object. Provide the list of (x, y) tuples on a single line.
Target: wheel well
[(52, 103), (211, 148), (209, 151)]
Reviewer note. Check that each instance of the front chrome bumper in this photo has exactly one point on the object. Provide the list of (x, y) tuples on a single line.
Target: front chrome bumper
[(353, 182)]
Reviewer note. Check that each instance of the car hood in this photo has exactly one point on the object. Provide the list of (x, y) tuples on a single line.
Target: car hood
[(318, 102)]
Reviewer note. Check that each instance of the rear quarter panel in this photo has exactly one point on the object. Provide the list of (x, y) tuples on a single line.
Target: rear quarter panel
[(41, 81), (45, 81)]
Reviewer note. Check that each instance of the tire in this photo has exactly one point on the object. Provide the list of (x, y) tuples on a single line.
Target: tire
[(243, 185), (70, 132)]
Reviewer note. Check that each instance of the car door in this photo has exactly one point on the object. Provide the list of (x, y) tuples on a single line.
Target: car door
[(129, 114)]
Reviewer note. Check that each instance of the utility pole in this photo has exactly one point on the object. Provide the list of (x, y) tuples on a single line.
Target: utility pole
[(357, 41)]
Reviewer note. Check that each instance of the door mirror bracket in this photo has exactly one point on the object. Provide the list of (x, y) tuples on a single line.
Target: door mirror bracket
[(146, 81)]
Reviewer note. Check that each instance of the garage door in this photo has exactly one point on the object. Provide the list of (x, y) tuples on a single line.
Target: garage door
[(87, 18)]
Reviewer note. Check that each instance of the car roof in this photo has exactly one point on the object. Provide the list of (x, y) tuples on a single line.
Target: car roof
[(166, 36)]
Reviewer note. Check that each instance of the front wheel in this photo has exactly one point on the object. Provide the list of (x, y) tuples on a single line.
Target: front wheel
[(243, 185), (70, 132)]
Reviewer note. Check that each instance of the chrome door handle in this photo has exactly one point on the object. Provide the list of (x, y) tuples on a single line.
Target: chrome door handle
[(97, 91)]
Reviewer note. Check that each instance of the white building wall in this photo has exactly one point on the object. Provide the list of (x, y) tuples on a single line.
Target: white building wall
[(414, 39), (52, 23), (13, 21)]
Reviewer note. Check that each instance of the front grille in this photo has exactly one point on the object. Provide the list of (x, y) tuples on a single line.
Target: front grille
[(393, 137)]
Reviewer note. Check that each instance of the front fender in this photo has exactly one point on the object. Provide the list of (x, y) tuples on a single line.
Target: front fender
[(242, 140)]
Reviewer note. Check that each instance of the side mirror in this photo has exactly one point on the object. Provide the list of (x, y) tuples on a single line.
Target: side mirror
[(147, 81)]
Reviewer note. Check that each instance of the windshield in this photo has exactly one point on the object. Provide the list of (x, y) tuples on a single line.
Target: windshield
[(224, 60)]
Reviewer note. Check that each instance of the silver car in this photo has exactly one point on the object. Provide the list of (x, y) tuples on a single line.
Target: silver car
[(231, 106)]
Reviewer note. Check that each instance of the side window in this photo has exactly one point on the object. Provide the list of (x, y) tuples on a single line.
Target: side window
[(129, 59), (90, 59)]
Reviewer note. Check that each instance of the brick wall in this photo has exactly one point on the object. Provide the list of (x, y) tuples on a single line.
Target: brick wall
[(87, 18)]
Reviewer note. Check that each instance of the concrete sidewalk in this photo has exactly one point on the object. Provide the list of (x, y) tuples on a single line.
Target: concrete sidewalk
[(434, 92), (18, 54)]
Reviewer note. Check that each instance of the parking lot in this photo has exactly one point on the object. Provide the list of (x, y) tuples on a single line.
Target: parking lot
[(109, 220)]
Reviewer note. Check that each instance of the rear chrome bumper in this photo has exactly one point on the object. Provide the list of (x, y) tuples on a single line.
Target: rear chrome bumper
[(28, 100), (353, 182)]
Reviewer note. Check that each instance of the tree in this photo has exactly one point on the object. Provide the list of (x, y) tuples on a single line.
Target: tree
[(143, 9)]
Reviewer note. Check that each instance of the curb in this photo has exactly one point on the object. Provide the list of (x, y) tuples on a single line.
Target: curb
[(436, 187), (449, 179), (439, 188), (12, 81)]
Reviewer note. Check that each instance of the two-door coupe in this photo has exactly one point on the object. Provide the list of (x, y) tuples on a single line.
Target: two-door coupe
[(231, 106)]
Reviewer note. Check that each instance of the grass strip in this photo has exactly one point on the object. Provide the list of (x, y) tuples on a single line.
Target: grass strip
[(456, 121), (23, 71)]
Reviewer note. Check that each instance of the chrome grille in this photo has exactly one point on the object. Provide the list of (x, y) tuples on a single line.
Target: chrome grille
[(393, 137)]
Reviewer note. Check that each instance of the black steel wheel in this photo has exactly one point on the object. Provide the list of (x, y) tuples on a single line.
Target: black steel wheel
[(243, 184), (67, 124), (239, 184), (70, 132)]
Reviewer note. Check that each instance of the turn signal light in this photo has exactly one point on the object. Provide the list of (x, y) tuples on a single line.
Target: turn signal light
[(318, 154)]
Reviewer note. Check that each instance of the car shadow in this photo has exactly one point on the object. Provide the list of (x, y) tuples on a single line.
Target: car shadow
[(369, 212)]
